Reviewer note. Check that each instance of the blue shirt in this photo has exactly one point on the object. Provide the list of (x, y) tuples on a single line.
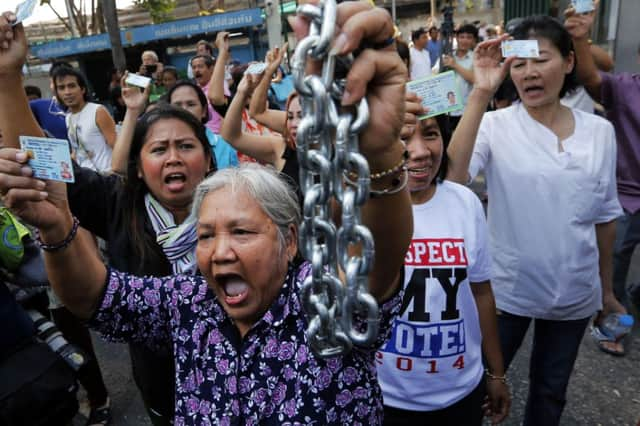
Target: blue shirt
[(50, 117), (434, 48), (225, 155)]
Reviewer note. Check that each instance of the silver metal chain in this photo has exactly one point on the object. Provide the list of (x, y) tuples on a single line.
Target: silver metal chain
[(332, 307)]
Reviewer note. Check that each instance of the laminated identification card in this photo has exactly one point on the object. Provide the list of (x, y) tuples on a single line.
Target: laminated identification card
[(24, 10), (583, 6), (256, 68), (520, 48), (137, 80), (439, 93), (49, 158)]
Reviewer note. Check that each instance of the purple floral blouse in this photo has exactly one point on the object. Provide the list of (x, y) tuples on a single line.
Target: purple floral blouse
[(269, 377)]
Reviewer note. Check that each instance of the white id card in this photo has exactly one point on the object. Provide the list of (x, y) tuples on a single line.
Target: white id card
[(138, 80), (439, 93), (256, 68), (520, 48), (49, 158), (24, 10), (583, 6)]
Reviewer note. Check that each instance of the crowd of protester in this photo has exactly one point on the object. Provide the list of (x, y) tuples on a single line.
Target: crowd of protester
[(179, 234)]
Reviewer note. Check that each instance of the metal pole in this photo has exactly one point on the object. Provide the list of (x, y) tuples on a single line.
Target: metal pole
[(72, 21), (393, 10), (433, 9)]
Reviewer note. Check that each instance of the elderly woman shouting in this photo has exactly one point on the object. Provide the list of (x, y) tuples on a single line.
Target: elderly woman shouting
[(237, 331)]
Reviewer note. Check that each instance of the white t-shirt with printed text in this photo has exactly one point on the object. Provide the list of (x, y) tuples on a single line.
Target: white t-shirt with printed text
[(434, 356)]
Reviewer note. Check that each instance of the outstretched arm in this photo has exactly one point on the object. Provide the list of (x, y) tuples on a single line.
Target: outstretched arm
[(273, 119), (16, 118), (489, 73), (135, 100), (267, 149), (380, 75), (216, 87), (75, 272), (579, 26)]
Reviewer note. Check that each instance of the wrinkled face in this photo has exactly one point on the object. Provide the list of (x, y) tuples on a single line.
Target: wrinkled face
[(168, 80), (294, 115), (186, 97), (540, 80), (240, 254), (425, 148), (201, 49), (69, 92), (466, 42), (172, 162), (201, 72), (148, 60)]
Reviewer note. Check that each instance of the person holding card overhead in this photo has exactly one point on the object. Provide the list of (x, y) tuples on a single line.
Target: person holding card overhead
[(141, 216), (550, 174)]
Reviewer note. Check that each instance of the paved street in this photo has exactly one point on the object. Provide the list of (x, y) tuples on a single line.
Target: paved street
[(604, 390)]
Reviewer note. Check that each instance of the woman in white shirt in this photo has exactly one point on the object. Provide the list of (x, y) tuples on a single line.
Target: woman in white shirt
[(550, 172), (431, 370)]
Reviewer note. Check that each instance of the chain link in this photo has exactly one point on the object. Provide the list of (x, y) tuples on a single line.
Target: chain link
[(332, 307)]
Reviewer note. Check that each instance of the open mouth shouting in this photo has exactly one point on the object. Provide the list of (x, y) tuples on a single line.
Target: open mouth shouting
[(175, 181), (234, 287)]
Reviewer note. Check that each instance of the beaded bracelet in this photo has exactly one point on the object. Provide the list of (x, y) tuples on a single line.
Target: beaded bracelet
[(397, 185), (402, 163), (62, 244), (502, 379)]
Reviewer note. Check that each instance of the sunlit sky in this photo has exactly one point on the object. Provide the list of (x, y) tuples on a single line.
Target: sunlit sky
[(44, 13)]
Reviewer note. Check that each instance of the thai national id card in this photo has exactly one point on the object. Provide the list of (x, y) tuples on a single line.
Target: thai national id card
[(583, 6), (49, 158), (439, 93), (520, 48), (24, 10)]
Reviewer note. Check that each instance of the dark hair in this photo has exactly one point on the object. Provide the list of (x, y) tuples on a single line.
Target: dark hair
[(208, 60), (417, 33), (135, 188), (58, 64), (172, 70), (469, 29), (506, 91), (551, 29), (33, 90), (237, 72), (201, 96), (63, 71)]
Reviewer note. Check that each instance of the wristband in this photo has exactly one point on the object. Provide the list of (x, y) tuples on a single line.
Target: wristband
[(62, 244)]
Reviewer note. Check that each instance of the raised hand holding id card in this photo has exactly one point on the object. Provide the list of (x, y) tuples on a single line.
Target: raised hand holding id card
[(24, 10), (520, 48), (49, 158), (583, 6), (439, 93)]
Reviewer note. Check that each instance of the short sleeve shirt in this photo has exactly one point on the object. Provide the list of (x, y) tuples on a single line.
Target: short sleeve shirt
[(269, 377), (434, 356), (543, 210)]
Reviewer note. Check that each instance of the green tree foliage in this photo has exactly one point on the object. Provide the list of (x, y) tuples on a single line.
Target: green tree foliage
[(160, 10)]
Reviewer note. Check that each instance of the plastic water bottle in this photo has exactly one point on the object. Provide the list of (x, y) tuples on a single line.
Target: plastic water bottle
[(617, 326)]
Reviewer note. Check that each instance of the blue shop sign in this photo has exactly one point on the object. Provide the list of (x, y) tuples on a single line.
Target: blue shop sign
[(174, 29)]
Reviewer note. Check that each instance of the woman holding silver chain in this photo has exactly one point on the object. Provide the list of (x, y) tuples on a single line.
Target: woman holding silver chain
[(241, 353)]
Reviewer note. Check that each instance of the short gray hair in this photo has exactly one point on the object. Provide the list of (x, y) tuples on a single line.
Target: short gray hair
[(151, 53), (275, 196)]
